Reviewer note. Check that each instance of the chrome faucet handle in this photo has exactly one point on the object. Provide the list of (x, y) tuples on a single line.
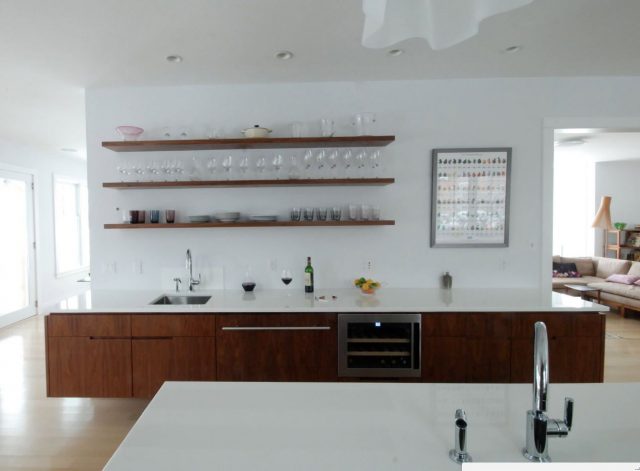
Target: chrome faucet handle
[(459, 453), (568, 412), (177, 281)]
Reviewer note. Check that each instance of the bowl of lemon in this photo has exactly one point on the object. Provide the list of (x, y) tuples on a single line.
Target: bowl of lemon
[(366, 285)]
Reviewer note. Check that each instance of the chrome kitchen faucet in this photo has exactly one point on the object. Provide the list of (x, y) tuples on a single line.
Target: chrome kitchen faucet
[(539, 426), (192, 281)]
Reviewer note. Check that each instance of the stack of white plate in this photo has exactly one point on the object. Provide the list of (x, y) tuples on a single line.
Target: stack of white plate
[(200, 218), (231, 216), (263, 217)]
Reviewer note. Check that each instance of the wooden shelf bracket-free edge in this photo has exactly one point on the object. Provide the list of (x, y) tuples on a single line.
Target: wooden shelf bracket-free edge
[(251, 183), (213, 225), (246, 143)]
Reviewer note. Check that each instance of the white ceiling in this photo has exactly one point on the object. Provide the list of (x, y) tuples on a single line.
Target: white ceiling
[(601, 146), (53, 50)]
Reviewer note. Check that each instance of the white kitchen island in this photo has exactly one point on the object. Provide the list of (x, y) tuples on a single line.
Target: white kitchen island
[(367, 426)]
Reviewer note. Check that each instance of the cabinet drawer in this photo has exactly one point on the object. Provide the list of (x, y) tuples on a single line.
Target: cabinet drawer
[(173, 325), (489, 325), (89, 325)]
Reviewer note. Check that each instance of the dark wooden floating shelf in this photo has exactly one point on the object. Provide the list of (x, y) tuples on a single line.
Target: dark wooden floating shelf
[(245, 183), (202, 225), (247, 143)]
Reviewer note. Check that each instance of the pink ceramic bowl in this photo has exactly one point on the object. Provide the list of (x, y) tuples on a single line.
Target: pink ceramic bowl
[(129, 133)]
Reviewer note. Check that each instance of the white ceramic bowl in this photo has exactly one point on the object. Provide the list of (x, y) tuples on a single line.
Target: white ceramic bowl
[(129, 133)]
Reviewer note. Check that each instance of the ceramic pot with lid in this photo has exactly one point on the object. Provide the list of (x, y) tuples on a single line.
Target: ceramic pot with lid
[(256, 131)]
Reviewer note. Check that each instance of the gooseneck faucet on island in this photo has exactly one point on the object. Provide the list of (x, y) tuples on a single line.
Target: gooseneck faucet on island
[(539, 426), (192, 282)]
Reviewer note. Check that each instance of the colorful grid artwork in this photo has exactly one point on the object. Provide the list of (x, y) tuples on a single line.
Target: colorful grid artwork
[(470, 197)]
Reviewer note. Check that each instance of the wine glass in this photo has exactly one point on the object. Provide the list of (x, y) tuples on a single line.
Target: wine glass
[(347, 159), (308, 162), (261, 165), (374, 162), (332, 162), (294, 169), (320, 161), (227, 165), (277, 162), (286, 278), (360, 162), (212, 166), (244, 166)]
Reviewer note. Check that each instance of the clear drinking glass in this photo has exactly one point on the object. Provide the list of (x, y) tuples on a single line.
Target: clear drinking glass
[(364, 123), (212, 166), (294, 168), (297, 129), (227, 165), (332, 162), (244, 166), (320, 162), (365, 212), (321, 214), (347, 160), (353, 212), (327, 127), (261, 165), (308, 161), (375, 213), (360, 160), (308, 214), (374, 162), (286, 278), (336, 213), (295, 214), (277, 162)]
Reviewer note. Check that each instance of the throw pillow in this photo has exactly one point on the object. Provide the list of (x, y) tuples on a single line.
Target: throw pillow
[(565, 270), (623, 279)]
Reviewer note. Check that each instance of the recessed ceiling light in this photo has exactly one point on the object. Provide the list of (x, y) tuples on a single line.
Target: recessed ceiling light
[(69, 149), (395, 52), (512, 49), (284, 55), (174, 58)]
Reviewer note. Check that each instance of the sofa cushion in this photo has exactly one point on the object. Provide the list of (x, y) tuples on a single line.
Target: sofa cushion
[(565, 270), (626, 301), (557, 259), (611, 266), (628, 291), (584, 280), (635, 269), (623, 279)]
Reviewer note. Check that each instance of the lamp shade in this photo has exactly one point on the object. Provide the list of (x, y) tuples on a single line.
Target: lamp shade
[(603, 216)]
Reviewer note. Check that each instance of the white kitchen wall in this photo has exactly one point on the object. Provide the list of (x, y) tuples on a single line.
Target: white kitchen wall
[(51, 288), (422, 114), (619, 180)]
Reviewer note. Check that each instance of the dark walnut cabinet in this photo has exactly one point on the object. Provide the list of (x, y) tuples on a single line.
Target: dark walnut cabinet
[(172, 347), (498, 347), (131, 355), (277, 347)]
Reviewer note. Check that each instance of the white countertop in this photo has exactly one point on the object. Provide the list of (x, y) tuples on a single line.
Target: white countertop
[(367, 426), (347, 300)]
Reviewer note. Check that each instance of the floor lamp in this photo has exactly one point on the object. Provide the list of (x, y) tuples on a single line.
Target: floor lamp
[(603, 221)]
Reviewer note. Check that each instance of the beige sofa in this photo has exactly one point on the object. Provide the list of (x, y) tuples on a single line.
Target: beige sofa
[(595, 271)]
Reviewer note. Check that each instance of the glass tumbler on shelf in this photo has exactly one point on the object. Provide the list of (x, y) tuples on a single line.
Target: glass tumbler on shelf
[(321, 214), (363, 123), (365, 212), (327, 127), (375, 213), (297, 129), (295, 214), (308, 214), (353, 212), (336, 213)]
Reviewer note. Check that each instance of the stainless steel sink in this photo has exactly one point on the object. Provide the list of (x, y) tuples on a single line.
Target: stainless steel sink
[(166, 299)]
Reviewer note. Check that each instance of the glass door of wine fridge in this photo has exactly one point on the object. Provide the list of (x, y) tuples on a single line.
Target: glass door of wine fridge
[(379, 345)]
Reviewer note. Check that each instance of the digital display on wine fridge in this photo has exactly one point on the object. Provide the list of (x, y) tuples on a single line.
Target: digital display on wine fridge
[(379, 345)]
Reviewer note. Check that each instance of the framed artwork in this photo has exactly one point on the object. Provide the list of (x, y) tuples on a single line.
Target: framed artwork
[(470, 197)]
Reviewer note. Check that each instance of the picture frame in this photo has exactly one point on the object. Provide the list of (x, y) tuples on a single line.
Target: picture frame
[(470, 192)]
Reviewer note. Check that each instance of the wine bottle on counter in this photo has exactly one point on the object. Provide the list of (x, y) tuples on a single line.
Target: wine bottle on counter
[(308, 277)]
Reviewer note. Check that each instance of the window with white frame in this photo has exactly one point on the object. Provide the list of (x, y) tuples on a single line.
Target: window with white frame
[(71, 215)]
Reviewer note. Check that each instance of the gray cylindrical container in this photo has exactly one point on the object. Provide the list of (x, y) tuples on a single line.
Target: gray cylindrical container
[(447, 280)]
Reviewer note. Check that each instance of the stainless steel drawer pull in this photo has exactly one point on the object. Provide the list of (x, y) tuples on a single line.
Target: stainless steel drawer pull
[(279, 328)]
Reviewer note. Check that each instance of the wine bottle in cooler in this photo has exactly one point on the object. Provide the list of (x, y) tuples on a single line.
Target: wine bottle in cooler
[(308, 277)]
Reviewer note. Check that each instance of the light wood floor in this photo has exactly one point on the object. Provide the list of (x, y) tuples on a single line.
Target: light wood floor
[(38, 433)]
